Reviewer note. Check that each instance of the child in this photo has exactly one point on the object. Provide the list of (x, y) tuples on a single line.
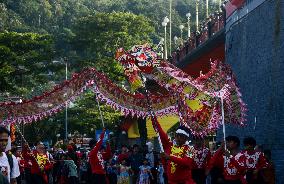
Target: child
[(123, 177), (160, 179), (145, 173)]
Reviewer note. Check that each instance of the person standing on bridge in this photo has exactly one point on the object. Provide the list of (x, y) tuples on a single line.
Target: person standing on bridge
[(178, 154)]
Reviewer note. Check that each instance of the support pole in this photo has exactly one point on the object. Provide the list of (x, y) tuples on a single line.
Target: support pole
[(197, 12), (152, 114), (166, 50), (101, 115), (207, 9), (66, 104), (223, 123)]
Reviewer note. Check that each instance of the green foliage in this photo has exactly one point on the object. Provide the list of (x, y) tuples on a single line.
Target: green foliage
[(99, 36), (85, 114), (23, 58)]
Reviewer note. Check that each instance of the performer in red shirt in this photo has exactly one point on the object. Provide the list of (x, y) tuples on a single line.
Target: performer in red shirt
[(201, 158), (123, 155), (255, 160), (97, 158), (40, 163), (178, 155), (231, 161)]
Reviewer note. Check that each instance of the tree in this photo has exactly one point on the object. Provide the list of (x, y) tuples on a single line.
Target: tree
[(96, 41), (9, 20), (24, 57), (99, 36)]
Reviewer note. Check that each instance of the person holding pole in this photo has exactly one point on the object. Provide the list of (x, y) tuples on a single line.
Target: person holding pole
[(40, 163), (230, 160), (97, 158), (177, 153)]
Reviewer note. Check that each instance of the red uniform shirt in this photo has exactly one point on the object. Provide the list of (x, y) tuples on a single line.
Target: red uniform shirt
[(180, 162), (39, 161), (233, 166), (97, 158), (254, 159), (201, 157), (122, 156)]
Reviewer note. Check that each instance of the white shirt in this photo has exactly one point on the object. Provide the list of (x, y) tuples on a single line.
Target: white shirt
[(5, 167)]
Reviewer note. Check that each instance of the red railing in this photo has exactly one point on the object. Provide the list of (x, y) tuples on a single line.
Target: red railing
[(207, 29)]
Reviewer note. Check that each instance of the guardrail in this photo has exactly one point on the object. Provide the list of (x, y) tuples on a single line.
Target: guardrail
[(208, 28)]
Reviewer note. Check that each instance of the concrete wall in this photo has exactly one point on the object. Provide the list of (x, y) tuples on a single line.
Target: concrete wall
[(255, 51)]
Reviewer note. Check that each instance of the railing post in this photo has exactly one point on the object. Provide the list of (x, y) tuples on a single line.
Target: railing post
[(196, 39), (209, 28)]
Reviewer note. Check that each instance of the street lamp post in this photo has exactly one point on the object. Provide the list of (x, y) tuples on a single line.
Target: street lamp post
[(164, 23), (188, 15), (207, 9), (175, 40), (170, 26), (181, 30), (66, 105), (161, 45), (197, 12)]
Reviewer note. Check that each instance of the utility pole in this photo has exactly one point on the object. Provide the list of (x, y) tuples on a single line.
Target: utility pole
[(197, 12), (66, 105)]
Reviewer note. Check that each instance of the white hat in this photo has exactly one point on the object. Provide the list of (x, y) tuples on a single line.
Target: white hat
[(181, 131)]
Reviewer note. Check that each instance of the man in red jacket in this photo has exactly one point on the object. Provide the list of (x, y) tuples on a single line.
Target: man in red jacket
[(97, 158), (255, 160), (178, 155), (231, 161)]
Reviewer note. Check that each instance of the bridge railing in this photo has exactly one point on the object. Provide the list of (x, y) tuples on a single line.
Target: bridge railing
[(208, 28)]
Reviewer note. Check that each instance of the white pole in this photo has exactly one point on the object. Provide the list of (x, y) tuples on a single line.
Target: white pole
[(207, 9), (166, 53), (101, 115), (197, 12), (161, 145), (155, 128), (188, 26), (223, 123), (66, 108)]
